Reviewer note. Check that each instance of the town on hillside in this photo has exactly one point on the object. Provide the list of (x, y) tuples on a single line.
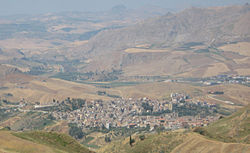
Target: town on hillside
[(180, 111)]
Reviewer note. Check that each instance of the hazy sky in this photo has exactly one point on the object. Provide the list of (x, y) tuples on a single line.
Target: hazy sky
[(8, 7)]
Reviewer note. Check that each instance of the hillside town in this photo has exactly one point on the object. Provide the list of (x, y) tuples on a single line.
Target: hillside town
[(179, 112)]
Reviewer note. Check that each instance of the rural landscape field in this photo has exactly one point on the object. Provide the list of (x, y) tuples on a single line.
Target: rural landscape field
[(125, 76)]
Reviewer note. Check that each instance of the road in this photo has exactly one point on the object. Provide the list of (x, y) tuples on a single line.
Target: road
[(227, 102)]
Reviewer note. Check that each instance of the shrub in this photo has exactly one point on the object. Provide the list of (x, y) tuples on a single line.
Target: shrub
[(142, 137)]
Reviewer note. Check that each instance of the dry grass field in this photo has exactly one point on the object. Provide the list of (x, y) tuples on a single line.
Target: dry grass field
[(13, 144), (242, 48), (238, 94), (245, 71), (195, 143), (152, 143), (174, 142), (216, 69), (232, 129), (140, 50), (198, 62), (158, 90), (61, 127), (33, 89)]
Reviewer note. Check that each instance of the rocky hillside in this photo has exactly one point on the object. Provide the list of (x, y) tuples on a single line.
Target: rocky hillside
[(184, 44), (208, 25)]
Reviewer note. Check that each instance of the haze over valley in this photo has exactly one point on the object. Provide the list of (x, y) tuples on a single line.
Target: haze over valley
[(126, 77)]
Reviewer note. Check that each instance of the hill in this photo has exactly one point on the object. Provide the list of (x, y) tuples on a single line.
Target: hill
[(230, 134), (19, 86), (235, 128), (152, 143), (42, 142), (5, 70), (174, 142), (195, 144), (184, 44)]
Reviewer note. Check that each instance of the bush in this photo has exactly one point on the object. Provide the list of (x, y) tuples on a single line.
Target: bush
[(107, 139), (131, 141), (7, 128), (142, 137), (201, 131)]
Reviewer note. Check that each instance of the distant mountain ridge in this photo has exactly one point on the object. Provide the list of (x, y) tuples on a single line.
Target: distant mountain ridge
[(191, 25), (207, 27)]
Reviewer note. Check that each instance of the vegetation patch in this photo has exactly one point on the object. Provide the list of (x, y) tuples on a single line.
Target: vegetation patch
[(54, 140), (75, 131), (33, 121), (234, 128), (163, 142)]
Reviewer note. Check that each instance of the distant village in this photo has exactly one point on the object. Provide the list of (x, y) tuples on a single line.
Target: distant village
[(219, 79)]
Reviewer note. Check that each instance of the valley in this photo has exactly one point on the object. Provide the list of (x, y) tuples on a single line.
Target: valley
[(126, 80)]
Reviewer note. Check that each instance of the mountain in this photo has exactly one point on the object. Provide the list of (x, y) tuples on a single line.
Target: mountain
[(197, 42), (42, 142), (182, 44), (47, 43)]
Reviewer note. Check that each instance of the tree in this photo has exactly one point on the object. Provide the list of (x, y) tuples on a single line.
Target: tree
[(142, 137), (131, 141), (7, 128), (147, 107), (107, 139)]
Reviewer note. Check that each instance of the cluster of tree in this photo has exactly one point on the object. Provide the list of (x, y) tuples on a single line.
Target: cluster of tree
[(131, 141), (216, 92), (4, 114), (76, 103), (72, 76), (109, 95), (107, 75), (66, 105), (4, 101), (158, 113), (192, 110), (120, 131), (32, 121), (76, 76), (147, 107), (107, 139), (76, 131), (142, 137), (101, 92), (38, 70), (113, 96), (201, 131)]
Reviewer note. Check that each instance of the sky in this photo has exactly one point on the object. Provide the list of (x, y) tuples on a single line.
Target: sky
[(10, 7)]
